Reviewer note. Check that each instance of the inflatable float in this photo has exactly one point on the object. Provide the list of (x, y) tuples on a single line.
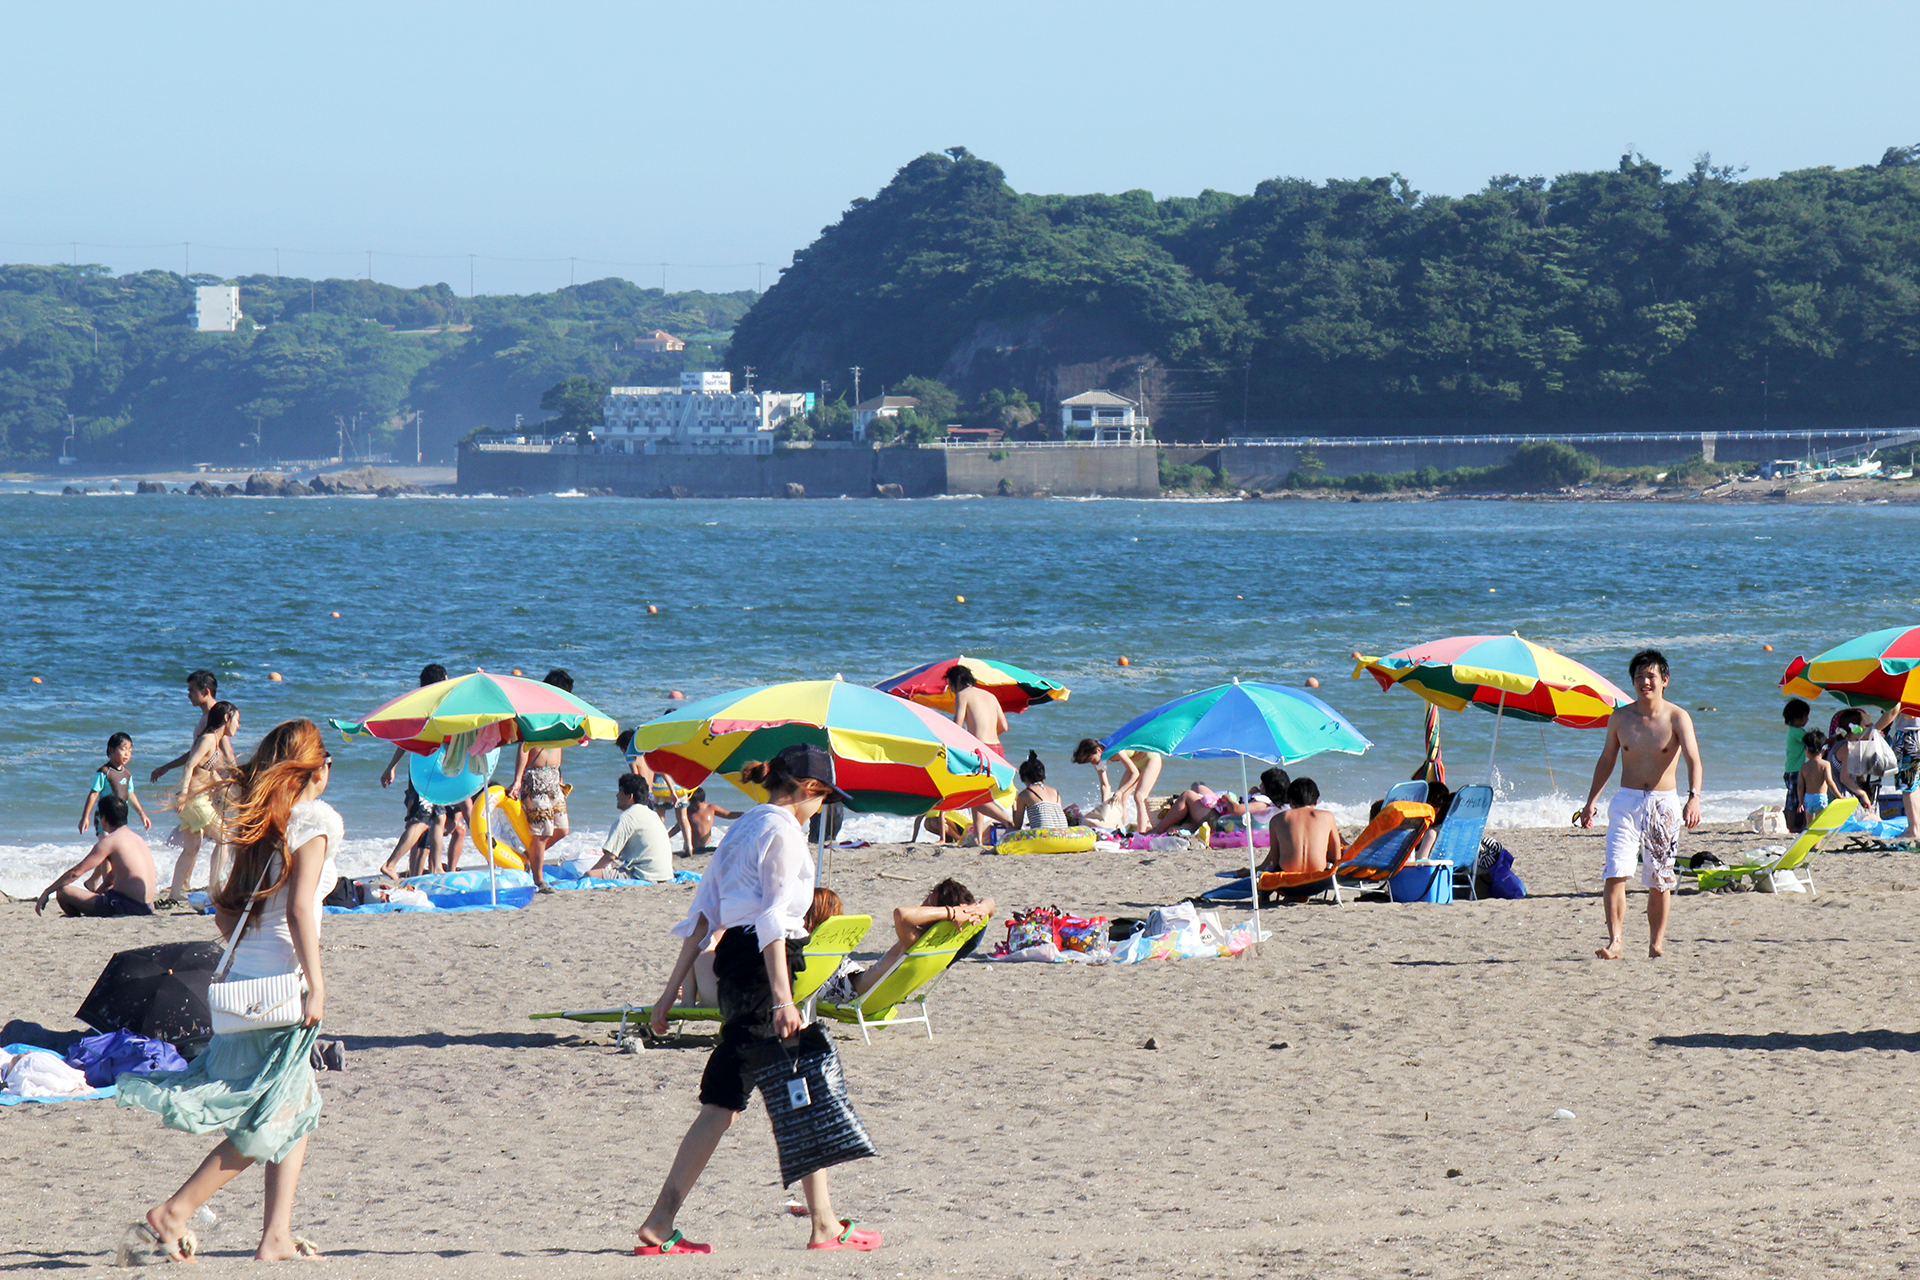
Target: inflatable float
[(505, 845), (1047, 840)]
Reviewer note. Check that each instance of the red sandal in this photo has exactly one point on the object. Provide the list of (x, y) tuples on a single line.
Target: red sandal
[(850, 1239), (675, 1243)]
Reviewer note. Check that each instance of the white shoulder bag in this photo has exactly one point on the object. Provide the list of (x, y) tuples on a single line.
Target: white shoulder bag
[(254, 1004)]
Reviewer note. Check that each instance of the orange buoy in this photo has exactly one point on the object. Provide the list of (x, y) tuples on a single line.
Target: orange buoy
[(1123, 661), (274, 676), (1490, 590), (1313, 682), (334, 614), (959, 599), (1767, 647), (653, 608), (36, 679), (517, 671), (674, 695)]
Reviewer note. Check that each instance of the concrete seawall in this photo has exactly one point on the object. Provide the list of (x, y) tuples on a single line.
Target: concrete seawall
[(1015, 470)]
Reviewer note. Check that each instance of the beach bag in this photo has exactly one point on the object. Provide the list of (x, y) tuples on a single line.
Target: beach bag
[(1073, 933), (255, 1004), (1502, 880), (814, 1124), (1031, 928), (1870, 757), (1768, 820)]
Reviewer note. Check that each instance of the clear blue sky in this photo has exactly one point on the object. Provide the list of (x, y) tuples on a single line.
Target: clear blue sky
[(717, 135)]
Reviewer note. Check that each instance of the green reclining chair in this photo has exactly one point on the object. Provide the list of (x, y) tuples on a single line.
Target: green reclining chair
[(1775, 868), (907, 982), (836, 938)]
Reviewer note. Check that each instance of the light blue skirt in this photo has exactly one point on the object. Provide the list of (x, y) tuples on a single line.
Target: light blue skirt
[(256, 1087)]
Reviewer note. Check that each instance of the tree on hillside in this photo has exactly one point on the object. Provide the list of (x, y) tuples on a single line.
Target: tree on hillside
[(578, 405), (938, 403)]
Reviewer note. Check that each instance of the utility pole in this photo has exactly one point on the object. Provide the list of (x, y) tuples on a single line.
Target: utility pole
[(186, 249), (369, 266), (417, 415), (340, 434), (760, 278), (570, 273), (856, 386), (749, 374)]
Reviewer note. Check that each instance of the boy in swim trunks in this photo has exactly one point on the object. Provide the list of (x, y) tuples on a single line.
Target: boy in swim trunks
[(537, 786), (1649, 737), (127, 861)]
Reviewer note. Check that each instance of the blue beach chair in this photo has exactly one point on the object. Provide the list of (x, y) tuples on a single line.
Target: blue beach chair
[(1460, 835)]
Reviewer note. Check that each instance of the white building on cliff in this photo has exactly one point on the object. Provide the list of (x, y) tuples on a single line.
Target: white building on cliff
[(704, 414)]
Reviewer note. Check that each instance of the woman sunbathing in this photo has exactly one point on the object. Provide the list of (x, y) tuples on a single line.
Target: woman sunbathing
[(950, 901)]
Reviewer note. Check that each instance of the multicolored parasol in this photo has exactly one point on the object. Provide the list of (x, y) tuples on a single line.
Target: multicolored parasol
[(1874, 670), (890, 755), (1501, 674), (515, 709), (1253, 721), (1015, 687)]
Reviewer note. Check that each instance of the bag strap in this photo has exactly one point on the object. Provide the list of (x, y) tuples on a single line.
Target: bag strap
[(246, 918)]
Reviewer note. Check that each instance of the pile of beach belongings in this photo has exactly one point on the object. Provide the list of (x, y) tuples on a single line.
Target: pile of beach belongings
[(470, 890), (35, 1073), (1176, 932)]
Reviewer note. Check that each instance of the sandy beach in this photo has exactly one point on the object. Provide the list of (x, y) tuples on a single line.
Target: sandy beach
[(1741, 1107)]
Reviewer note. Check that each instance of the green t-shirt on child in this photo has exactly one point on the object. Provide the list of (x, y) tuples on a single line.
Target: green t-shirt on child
[(1796, 747)]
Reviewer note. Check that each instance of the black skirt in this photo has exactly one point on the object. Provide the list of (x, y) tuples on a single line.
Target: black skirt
[(746, 1011)]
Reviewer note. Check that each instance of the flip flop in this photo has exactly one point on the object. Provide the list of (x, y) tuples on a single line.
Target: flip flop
[(850, 1239), (142, 1246), (675, 1243)]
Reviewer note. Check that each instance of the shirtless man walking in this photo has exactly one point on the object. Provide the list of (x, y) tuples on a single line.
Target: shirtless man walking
[(980, 714), (1649, 737)]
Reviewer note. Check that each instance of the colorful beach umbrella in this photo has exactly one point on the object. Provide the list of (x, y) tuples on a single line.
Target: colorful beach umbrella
[(1252, 721), (1501, 674), (515, 709), (1015, 687), (889, 755), (494, 711), (1874, 670)]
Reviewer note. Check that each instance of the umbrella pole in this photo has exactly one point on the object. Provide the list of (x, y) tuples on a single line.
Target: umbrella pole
[(486, 825), (1497, 716), (1253, 869)]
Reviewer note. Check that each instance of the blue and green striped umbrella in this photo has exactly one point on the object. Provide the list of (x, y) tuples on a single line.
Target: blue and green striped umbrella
[(1252, 720)]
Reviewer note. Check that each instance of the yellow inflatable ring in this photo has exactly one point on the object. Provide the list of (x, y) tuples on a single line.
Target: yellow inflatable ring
[(1047, 840), (505, 845)]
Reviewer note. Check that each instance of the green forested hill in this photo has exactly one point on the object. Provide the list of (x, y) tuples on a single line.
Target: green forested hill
[(1629, 292), (120, 355)]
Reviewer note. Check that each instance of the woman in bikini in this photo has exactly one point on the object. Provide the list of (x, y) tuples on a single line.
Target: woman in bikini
[(201, 802), (1142, 770)]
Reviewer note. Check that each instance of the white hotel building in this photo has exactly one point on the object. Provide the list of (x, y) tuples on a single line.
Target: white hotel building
[(703, 415)]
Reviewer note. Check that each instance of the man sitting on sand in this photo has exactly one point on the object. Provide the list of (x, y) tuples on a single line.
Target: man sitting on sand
[(1303, 837), (1649, 737), (638, 846), (129, 865), (701, 812)]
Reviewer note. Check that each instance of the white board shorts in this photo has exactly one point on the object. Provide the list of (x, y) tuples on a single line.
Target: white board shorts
[(1644, 827)]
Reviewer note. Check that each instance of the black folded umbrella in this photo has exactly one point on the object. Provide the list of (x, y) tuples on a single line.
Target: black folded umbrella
[(158, 991)]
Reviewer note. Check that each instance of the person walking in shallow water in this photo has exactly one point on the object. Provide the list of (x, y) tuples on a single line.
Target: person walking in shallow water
[(1649, 737)]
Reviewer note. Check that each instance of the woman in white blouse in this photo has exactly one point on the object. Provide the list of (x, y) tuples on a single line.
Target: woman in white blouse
[(256, 1087), (758, 888)]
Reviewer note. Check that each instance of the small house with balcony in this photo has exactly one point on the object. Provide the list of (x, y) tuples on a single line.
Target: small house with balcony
[(1103, 417)]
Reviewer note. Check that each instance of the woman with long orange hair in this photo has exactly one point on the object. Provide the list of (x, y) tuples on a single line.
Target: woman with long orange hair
[(257, 1087)]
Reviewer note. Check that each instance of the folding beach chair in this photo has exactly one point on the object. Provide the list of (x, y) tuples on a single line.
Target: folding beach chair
[(1414, 790), (834, 940), (1372, 858), (1459, 839), (1776, 869), (907, 982)]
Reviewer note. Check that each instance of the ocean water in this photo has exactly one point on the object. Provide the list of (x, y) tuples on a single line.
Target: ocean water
[(111, 600)]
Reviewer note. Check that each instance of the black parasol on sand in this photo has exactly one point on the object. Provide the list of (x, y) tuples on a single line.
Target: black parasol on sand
[(158, 991)]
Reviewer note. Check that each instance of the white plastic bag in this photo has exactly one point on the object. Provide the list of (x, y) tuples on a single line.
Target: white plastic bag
[(1768, 820)]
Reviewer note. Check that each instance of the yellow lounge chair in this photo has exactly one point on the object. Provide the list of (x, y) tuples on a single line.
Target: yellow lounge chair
[(907, 982), (1775, 869), (836, 938)]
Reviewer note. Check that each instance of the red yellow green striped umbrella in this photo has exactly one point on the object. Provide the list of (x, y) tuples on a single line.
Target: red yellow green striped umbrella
[(889, 755), (520, 710), (1015, 687), (1878, 669), (1503, 674)]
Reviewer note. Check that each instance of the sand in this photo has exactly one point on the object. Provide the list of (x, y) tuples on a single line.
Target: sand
[(1742, 1107)]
